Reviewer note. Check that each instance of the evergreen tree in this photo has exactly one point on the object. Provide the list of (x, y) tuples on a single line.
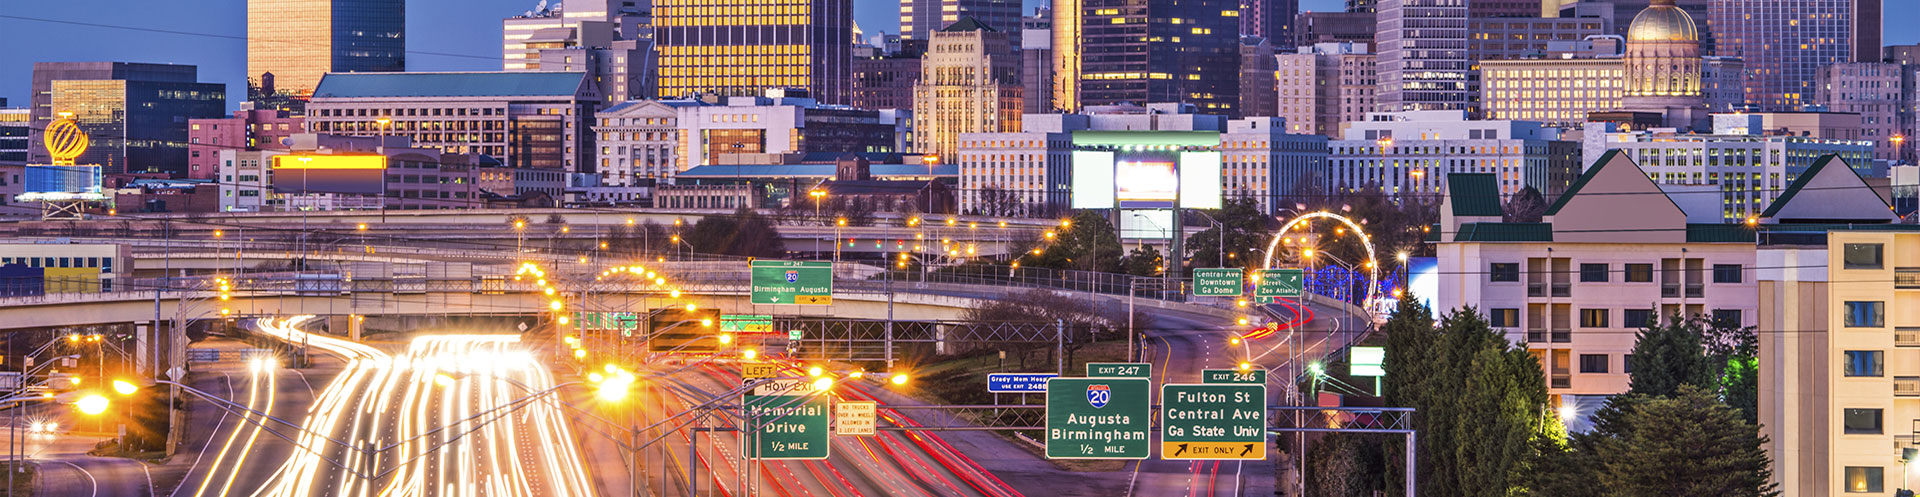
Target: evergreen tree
[(1668, 356), (1143, 261), (1687, 444)]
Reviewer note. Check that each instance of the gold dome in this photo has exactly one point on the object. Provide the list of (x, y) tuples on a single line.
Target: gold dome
[(1662, 21)]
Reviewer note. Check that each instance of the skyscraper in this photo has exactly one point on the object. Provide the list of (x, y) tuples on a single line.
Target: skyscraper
[(1124, 58), (743, 47), (1270, 19), (919, 19), (134, 114), (1423, 54), (300, 40), (1786, 42), (967, 85)]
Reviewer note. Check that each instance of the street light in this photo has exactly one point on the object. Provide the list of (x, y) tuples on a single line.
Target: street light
[(92, 405)]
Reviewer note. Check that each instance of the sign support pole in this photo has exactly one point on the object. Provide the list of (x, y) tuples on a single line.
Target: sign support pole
[(1059, 347)]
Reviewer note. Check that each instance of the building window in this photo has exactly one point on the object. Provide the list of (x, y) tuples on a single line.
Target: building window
[(1726, 318), (1863, 363), (1593, 273), (1626, 364), (1863, 421), (1637, 318), (1504, 318), (1866, 314), (1726, 273), (1861, 255), (1639, 273), (1504, 271), (1593, 318), (1866, 479), (1593, 363)]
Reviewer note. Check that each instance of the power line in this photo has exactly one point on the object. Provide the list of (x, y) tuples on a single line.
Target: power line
[(219, 35)]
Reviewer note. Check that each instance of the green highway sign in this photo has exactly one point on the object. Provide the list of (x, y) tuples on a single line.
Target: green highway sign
[(1276, 283), (789, 423), (1254, 376), (1099, 418), (1120, 369), (1213, 421), (792, 282), (795, 334), (748, 323), (1210, 282)]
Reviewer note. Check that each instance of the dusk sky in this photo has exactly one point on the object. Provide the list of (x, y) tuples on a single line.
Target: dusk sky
[(442, 35)]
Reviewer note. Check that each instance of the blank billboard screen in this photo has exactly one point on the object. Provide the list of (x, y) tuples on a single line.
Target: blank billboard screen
[(346, 174), (1200, 180), (1146, 224), (1144, 179), (1092, 179)]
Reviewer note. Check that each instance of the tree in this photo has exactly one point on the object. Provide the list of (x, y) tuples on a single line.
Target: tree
[(1246, 231), (1086, 243), (745, 233), (556, 219), (1143, 261), (1482, 403), (1668, 356), (1527, 206), (1346, 465), (1687, 444)]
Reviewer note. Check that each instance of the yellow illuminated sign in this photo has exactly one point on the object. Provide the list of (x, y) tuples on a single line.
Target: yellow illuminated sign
[(329, 162), (65, 141)]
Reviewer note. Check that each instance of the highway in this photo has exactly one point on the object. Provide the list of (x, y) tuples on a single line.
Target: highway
[(462, 415)]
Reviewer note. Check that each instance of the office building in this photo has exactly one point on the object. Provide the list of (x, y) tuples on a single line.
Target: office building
[(135, 115), (1556, 92), (260, 129), (1874, 91), (245, 179), (919, 19), (298, 41), (885, 82), (1258, 84), (967, 85), (773, 128), (13, 134), (1119, 58), (1749, 169), (1503, 8), (567, 24), (745, 47), (1786, 43), (530, 120), (1411, 153), (1516, 38), (1036, 63), (1027, 173), (1723, 82), (1270, 19), (1620, 13), (1612, 255), (1423, 60), (415, 178), (1313, 28), (1839, 380), (1325, 85), (638, 141), (1367, 6)]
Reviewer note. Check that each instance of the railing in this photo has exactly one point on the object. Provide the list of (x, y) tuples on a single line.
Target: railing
[(1906, 386), (1668, 290), (1906, 336), (1562, 336), (1906, 277), (1536, 336), (1562, 289), (1695, 291), (1536, 289), (1562, 380)]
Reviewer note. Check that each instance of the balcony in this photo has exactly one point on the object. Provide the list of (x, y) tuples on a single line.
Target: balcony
[(1562, 380), (1562, 336), (1562, 289), (1536, 336), (1906, 336), (1536, 290), (1906, 277), (1906, 386), (1696, 290), (1669, 290)]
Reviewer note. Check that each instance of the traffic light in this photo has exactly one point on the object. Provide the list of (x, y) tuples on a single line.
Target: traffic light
[(683, 330)]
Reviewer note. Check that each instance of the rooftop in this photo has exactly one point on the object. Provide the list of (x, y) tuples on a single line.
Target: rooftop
[(449, 84)]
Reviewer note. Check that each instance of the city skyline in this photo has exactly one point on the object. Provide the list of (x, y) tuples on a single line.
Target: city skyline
[(438, 41)]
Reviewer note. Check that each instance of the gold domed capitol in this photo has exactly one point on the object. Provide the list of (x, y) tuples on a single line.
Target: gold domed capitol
[(1663, 21)]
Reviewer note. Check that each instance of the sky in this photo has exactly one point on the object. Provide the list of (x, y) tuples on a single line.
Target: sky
[(442, 35)]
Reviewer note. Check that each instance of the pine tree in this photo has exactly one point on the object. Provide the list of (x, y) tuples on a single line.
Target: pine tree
[(1687, 444), (1668, 356)]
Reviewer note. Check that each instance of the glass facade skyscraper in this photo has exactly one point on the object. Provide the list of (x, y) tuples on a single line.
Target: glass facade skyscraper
[(743, 47), (1160, 51), (1785, 43), (300, 40), (1423, 54), (134, 114)]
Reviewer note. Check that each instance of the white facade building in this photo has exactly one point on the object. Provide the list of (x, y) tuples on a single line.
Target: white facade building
[(1411, 153), (246, 180), (1751, 170), (637, 139)]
